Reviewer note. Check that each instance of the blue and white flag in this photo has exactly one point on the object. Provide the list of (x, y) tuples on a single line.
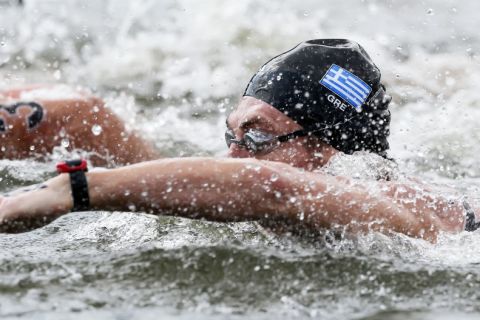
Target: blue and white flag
[(346, 85)]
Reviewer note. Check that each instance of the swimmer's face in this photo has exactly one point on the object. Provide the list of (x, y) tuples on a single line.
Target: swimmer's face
[(302, 152)]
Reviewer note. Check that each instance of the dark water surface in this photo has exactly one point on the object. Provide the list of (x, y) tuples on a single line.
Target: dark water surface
[(120, 265)]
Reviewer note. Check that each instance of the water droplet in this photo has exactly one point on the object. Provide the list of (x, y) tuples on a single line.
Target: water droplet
[(57, 74), (274, 177), (269, 82), (169, 189), (279, 77), (306, 13), (397, 75), (454, 9), (278, 194), (32, 148), (126, 193), (399, 48), (144, 194), (65, 143), (132, 207), (222, 107), (292, 199), (430, 11), (95, 108), (96, 129)]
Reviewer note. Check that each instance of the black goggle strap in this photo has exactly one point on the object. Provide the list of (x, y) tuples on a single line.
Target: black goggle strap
[(299, 133), (281, 139)]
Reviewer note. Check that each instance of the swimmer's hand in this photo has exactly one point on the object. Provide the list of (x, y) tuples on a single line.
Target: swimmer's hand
[(32, 207)]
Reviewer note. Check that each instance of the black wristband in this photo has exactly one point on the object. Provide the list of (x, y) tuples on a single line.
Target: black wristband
[(81, 199), (78, 182)]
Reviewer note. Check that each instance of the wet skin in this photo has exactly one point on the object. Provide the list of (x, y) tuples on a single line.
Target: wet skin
[(69, 120), (278, 186), (308, 153)]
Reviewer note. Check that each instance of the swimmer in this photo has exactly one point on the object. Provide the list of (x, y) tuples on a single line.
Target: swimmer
[(301, 108), (33, 120)]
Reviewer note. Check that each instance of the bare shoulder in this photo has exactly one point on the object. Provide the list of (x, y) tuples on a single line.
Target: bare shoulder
[(36, 119), (36, 101), (31, 117), (30, 107)]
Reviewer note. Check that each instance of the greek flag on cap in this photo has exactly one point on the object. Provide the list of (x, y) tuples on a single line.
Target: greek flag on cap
[(346, 85)]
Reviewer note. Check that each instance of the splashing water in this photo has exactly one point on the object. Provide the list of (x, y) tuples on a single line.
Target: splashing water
[(173, 70)]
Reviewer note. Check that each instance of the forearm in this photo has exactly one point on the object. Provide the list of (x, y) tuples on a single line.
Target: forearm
[(215, 189)]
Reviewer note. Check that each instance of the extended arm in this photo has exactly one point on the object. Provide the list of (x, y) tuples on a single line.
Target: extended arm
[(238, 190)]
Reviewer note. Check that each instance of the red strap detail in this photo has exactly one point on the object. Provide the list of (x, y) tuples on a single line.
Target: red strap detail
[(72, 166)]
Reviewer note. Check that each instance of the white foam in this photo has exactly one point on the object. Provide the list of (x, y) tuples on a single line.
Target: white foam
[(54, 92)]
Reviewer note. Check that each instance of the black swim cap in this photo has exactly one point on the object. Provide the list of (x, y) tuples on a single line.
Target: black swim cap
[(329, 84)]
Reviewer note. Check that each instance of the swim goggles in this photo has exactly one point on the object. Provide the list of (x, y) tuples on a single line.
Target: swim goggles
[(259, 142)]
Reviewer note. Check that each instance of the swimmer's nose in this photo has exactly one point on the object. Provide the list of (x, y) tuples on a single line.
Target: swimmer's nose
[(236, 152)]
